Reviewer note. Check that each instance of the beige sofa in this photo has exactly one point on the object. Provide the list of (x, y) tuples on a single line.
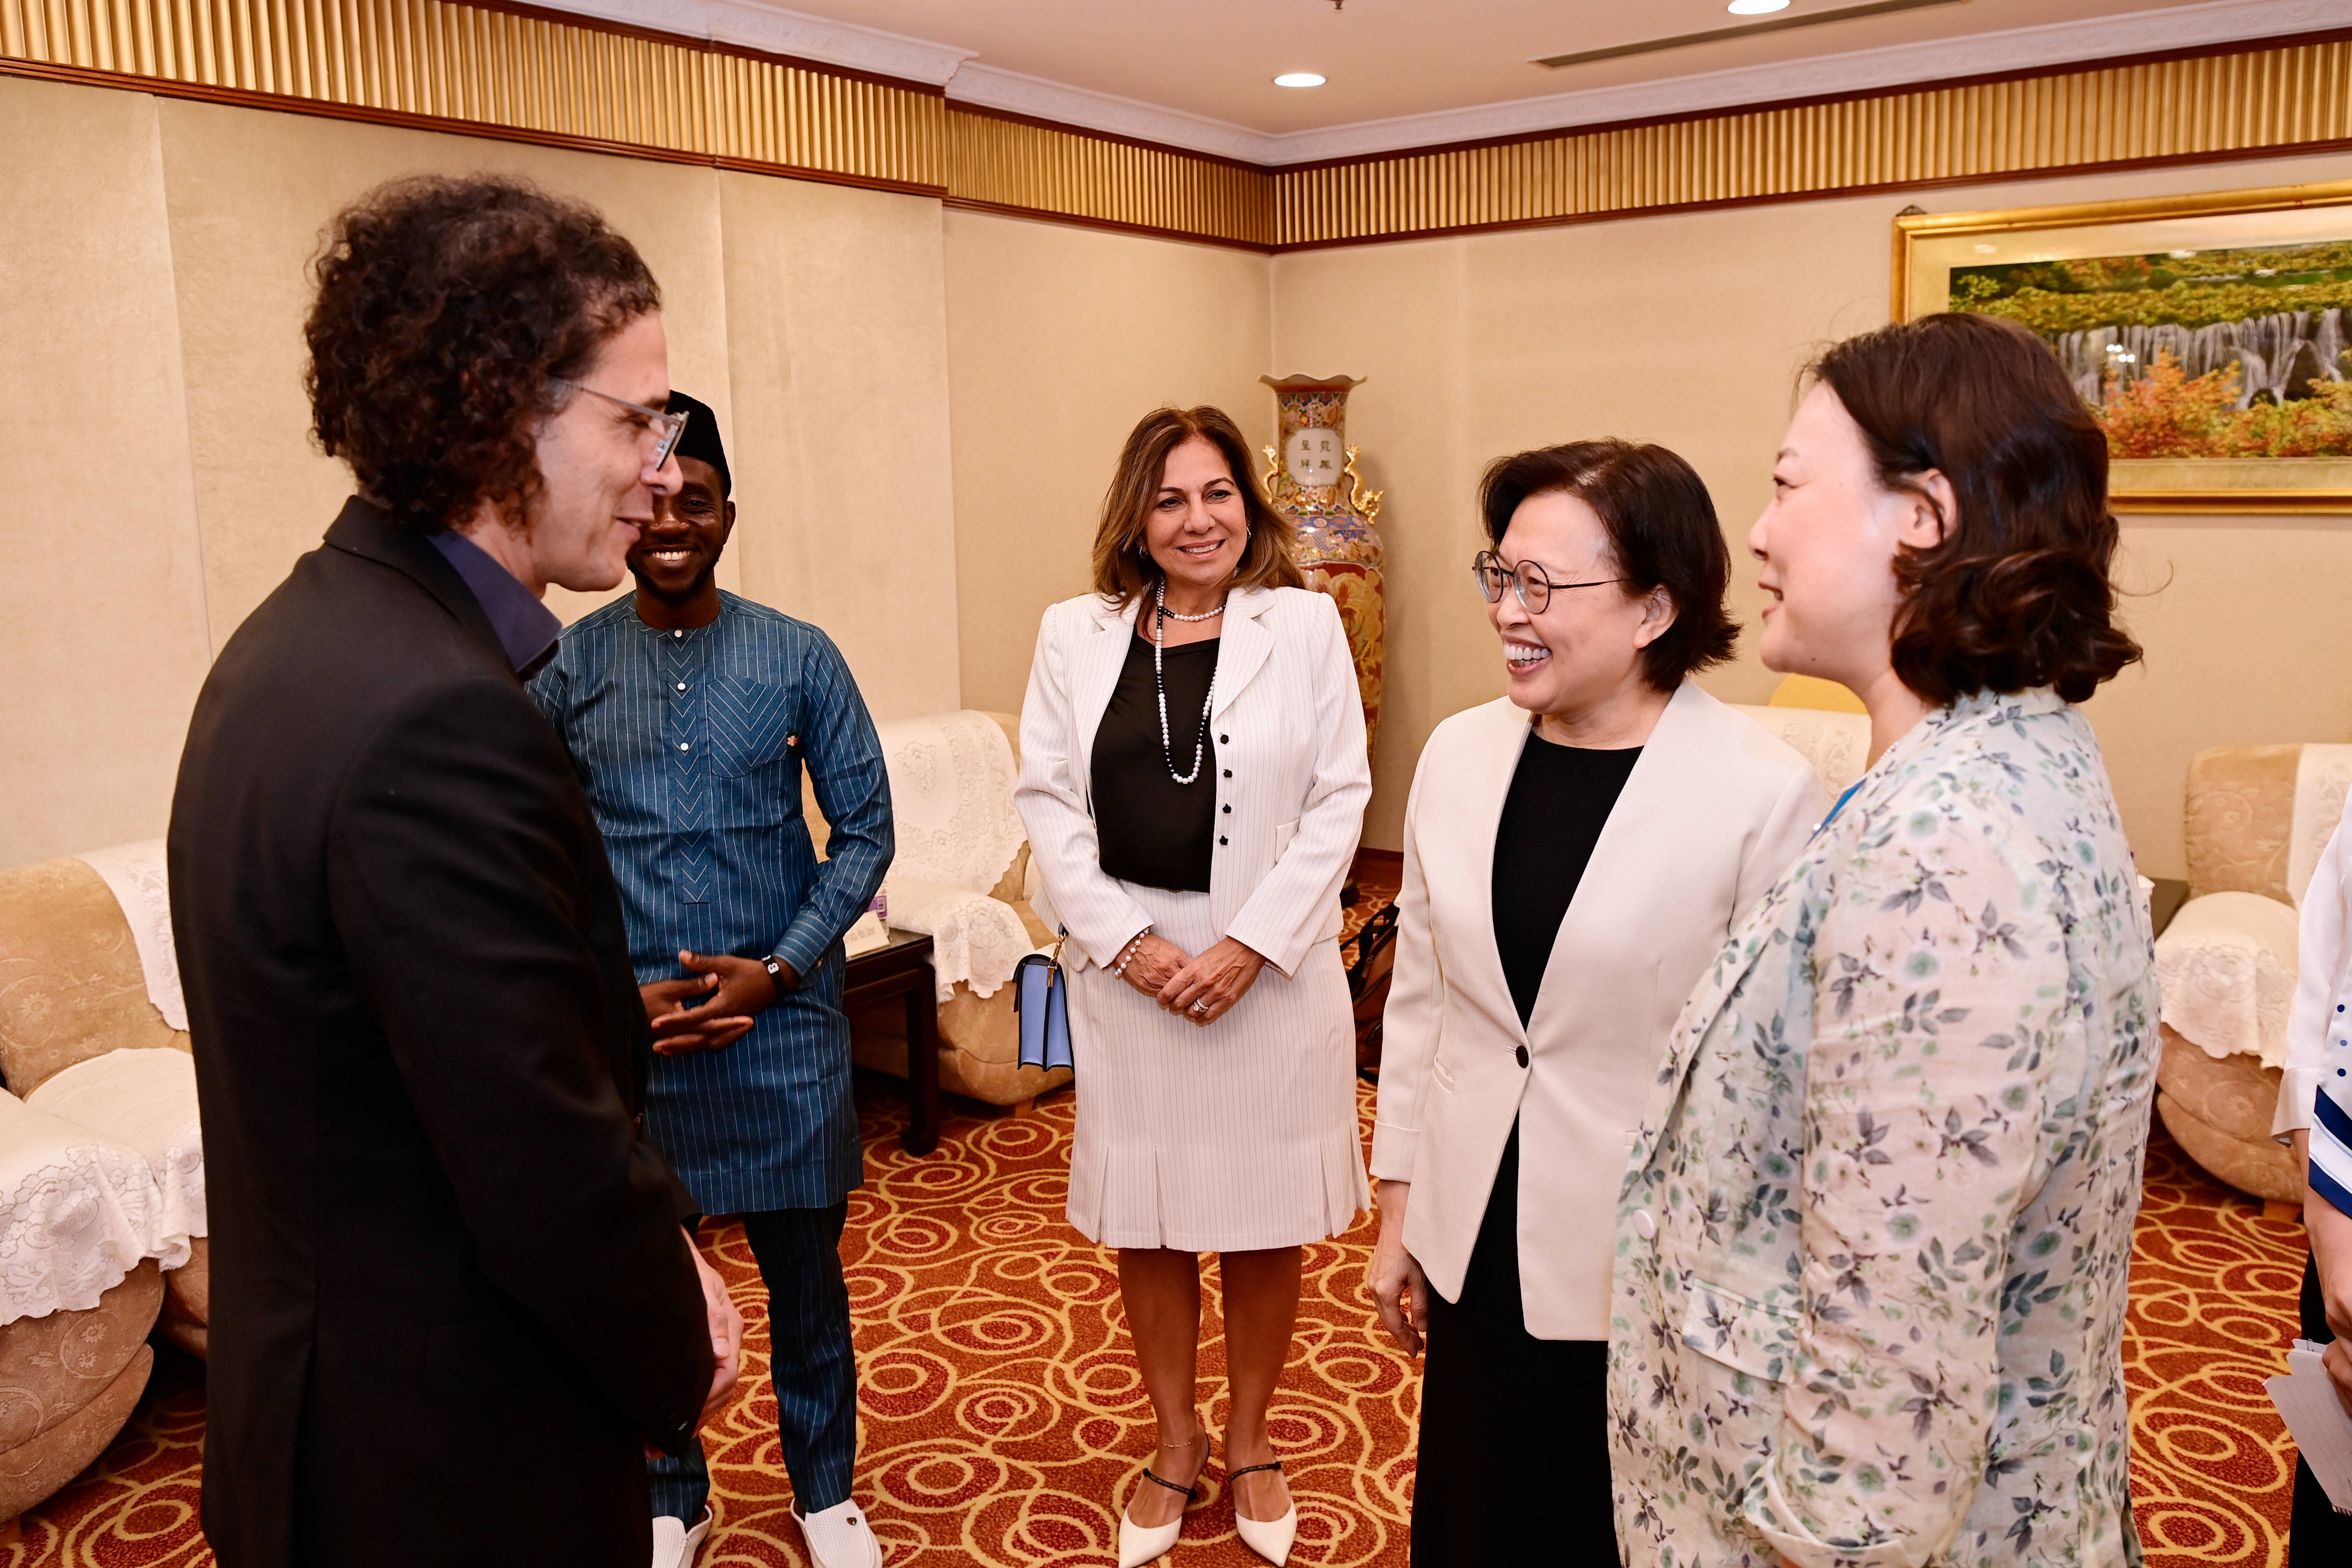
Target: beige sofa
[(71, 989), (2254, 818), (980, 1037)]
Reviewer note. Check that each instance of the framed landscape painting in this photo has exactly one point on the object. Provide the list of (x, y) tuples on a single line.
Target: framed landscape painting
[(2211, 334)]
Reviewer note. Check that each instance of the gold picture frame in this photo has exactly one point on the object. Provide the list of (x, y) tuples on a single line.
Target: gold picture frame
[(1998, 255)]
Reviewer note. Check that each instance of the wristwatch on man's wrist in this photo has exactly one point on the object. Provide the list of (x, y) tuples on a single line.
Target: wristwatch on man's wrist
[(776, 968)]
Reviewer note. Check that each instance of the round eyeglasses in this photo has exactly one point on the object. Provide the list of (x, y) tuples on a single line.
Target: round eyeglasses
[(665, 426), (1528, 579)]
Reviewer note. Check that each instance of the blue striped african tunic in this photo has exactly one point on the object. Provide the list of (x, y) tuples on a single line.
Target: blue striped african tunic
[(690, 745)]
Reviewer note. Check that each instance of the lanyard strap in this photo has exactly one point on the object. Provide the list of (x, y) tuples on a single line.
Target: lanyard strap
[(1835, 809)]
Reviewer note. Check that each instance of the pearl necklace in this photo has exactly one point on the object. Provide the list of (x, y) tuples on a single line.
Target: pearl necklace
[(1160, 680)]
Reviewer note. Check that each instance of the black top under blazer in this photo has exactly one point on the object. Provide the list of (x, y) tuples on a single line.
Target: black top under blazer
[(449, 1290)]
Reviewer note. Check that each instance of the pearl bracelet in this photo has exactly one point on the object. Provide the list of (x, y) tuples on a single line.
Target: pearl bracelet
[(1119, 964)]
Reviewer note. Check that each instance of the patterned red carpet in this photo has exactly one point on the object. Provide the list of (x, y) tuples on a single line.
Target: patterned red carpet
[(1002, 1414), (2212, 1311)]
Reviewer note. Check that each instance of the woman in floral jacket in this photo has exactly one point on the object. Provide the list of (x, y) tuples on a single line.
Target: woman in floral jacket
[(1870, 1250)]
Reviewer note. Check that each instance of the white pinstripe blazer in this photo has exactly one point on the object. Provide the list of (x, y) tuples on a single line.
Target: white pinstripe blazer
[(1292, 776)]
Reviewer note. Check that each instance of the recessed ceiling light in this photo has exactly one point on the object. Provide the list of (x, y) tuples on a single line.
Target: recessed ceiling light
[(1756, 8), (1309, 78)]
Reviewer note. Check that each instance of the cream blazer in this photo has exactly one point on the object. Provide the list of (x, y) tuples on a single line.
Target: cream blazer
[(1713, 813), (1292, 776)]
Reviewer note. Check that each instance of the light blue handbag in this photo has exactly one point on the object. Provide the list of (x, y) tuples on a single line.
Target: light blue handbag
[(1041, 997)]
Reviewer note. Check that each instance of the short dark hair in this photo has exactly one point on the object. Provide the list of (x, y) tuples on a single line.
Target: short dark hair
[(2017, 595), (1123, 568), (1662, 529), (445, 308)]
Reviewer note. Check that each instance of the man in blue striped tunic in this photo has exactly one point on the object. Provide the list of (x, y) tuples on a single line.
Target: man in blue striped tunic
[(690, 713)]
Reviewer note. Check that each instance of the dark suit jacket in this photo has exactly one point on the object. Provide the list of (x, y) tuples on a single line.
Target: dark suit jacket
[(450, 1293)]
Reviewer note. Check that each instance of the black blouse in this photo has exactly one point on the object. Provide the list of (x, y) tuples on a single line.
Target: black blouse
[(1148, 827), (1560, 799)]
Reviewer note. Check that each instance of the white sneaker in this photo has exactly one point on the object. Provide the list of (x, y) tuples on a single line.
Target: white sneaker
[(674, 1545), (839, 1537)]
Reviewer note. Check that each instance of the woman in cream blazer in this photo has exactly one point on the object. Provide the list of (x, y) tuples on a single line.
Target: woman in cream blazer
[(1520, 1041), (1191, 827)]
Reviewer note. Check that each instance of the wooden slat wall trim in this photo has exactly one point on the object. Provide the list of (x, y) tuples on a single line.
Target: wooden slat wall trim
[(514, 71), (1019, 165), (1074, 220), (2297, 96)]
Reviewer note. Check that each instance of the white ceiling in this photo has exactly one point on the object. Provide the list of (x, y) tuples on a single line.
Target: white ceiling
[(1199, 73)]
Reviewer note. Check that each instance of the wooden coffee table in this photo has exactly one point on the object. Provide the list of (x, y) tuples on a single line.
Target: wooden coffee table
[(903, 968)]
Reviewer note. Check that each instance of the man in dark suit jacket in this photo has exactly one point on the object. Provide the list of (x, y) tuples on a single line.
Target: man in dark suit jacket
[(454, 1307)]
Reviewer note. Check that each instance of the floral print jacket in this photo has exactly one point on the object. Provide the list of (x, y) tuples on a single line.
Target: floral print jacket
[(1868, 1300)]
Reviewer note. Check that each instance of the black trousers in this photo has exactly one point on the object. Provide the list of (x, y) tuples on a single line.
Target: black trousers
[(2319, 1536), (1514, 1459)]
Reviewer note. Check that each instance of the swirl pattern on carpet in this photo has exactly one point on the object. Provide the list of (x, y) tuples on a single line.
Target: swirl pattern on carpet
[(1002, 1421)]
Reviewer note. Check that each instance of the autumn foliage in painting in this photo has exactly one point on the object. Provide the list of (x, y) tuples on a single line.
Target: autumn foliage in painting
[(2167, 414), (2229, 354)]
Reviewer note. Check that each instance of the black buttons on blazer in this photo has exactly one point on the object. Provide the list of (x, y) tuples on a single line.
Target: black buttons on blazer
[(1523, 1056), (1229, 773), (1224, 740), (1221, 838), (1226, 809)]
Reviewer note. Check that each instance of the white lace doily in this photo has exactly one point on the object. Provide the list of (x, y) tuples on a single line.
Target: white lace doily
[(951, 778), (144, 1099), (76, 1213), (1837, 745), (2225, 968), (974, 939), (2321, 774), (135, 875)]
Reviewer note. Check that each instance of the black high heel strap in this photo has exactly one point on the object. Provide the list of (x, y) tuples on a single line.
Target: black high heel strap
[(1191, 1493), (1247, 1470)]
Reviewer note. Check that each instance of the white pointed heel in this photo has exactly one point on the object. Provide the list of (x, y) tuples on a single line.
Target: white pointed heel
[(1139, 1545), (1143, 1543), (1269, 1538)]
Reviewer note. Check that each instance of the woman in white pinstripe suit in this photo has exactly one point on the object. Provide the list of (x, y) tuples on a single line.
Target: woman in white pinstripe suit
[(1192, 779)]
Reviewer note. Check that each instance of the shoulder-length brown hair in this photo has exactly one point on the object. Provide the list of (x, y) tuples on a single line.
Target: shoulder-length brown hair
[(2017, 595), (1124, 570)]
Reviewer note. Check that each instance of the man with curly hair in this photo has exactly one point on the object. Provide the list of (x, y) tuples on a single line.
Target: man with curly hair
[(692, 715), (455, 1307)]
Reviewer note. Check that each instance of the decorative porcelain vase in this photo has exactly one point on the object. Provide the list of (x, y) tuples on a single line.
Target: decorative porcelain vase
[(1311, 478)]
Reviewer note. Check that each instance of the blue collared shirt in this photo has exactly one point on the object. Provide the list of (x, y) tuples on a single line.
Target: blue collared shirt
[(526, 629), (690, 745)]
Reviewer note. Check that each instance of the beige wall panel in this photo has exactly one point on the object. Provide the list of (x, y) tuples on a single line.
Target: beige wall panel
[(1687, 329), (106, 642), (1425, 420), (1059, 340), (249, 194), (839, 446)]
